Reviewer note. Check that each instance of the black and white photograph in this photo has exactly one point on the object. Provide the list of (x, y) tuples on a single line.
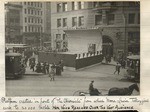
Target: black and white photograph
[(72, 48)]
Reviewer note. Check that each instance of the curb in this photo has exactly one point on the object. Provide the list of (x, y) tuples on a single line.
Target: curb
[(108, 64), (34, 74)]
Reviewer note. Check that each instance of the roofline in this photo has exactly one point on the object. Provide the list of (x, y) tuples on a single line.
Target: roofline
[(14, 5)]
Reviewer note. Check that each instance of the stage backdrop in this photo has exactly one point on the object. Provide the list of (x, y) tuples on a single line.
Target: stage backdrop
[(80, 40)]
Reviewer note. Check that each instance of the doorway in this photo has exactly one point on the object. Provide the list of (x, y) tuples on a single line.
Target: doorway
[(107, 45)]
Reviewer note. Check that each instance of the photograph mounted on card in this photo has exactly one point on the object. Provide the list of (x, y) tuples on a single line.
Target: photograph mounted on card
[(75, 48)]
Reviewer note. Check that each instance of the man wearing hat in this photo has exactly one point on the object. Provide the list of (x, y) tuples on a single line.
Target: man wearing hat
[(91, 88), (93, 91)]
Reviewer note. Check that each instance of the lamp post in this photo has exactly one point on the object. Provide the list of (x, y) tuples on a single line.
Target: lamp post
[(40, 42), (118, 36), (125, 39), (40, 38)]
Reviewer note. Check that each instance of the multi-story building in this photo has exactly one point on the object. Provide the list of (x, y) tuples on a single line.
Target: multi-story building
[(47, 23), (35, 21), (13, 23), (47, 17), (118, 24)]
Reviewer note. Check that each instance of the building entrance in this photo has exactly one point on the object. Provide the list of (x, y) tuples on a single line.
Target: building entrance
[(107, 46)]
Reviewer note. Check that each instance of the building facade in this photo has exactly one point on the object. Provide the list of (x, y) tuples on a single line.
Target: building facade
[(118, 23), (35, 21), (13, 23)]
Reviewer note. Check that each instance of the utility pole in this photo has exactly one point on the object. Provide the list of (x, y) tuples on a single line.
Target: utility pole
[(40, 38)]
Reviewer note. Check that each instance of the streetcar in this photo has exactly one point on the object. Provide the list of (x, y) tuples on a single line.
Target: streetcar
[(133, 67), (14, 66), (23, 49), (17, 47)]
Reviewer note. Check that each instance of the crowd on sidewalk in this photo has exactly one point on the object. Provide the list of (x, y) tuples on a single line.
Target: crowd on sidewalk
[(119, 65), (46, 68)]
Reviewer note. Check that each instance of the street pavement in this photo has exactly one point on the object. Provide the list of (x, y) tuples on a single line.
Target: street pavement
[(37, 84)]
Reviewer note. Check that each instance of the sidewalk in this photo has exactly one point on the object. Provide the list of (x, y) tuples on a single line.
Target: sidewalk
[(97, 71)]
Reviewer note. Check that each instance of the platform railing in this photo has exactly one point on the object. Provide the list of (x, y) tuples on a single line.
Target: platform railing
[(85, 55)]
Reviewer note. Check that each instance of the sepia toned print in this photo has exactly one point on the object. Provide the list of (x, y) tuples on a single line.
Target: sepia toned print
[(72, 48)]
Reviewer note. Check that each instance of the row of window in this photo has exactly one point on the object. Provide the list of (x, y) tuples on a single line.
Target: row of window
[(33, 20), (35, 4), (98, 20), (110, 19), (101, 4), (63, 22), (61, 7), (80, 5), (32, 11), (33, 29), (77, 5)]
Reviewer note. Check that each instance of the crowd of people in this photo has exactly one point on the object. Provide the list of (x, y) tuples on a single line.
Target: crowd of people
[(51, 69), (120, 63), (46, 68)]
